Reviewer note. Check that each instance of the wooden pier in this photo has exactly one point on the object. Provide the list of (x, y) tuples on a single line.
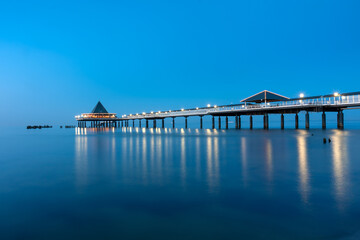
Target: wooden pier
[(265, 103)]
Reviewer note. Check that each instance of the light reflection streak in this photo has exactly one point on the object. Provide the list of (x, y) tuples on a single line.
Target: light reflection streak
[(304, 175), (340, 167), (113, 153), (269, 160), (159, 157), (144, 160), (197, 144), (244, 159), (183, 160), (212, 160), (81, 159)]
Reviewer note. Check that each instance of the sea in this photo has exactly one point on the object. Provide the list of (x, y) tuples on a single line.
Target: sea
[(137, 183)]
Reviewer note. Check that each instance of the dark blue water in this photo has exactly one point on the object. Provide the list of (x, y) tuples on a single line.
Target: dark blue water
[(179, 184)]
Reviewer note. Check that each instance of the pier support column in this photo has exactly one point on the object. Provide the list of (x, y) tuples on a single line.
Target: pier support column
[(282, 121), (213, 122), (323, 120), (173, 122), (307, 120), (133, 123), (139, 123), (296, 121), (236, 122), (186, 122), (266, 121), (163, 123), (340, 120), (219, 122), (226, 122), (147, 123), (201, 122), (154, 123), (251, 122), (239, 122)]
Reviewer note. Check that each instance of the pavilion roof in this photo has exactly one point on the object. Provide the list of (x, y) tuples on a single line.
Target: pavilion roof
[(265, 96), (99, 108)]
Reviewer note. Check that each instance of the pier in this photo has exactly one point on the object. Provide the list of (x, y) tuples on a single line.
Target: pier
[(265, 103)]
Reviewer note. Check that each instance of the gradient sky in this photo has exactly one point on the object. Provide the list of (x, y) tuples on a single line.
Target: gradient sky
[(57, 59)]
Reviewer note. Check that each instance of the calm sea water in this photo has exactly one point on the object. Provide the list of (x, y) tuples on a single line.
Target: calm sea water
[(179, 184)]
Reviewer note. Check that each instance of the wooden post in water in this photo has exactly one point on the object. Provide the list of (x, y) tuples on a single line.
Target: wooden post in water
[(282, 121), (186, 122), (307, 120), (323, 120), (162, 123), (213, 122), (251, 122), (226, 122), (340, 119), (173, 122), (219, 122), (201, 122), (296, 121), (266, 121)]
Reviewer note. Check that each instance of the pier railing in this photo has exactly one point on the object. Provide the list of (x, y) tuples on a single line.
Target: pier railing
[(344, 100)]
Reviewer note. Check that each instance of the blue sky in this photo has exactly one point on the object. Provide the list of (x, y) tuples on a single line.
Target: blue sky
[(57, 59)]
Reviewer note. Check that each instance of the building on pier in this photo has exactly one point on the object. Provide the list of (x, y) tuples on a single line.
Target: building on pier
[(99, 116), (265, 97)]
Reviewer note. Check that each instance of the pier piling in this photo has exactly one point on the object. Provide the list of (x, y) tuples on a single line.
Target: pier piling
[(340, 119), (266, 121), (307, 120)]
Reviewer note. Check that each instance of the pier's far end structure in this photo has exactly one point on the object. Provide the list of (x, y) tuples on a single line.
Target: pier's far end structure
[(99, 117), (263, 103)]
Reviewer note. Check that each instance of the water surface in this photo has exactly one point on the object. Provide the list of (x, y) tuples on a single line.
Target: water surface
[(179, 184)]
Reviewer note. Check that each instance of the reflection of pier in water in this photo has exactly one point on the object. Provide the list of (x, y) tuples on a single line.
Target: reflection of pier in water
[(147, 155)]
